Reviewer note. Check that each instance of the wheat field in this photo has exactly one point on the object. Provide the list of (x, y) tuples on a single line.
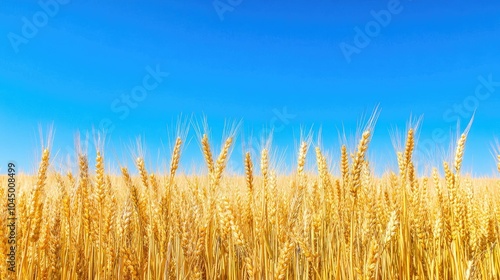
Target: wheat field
[(261, 225)]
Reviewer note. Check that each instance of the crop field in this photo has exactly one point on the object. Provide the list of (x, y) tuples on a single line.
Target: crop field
[(342, 223)]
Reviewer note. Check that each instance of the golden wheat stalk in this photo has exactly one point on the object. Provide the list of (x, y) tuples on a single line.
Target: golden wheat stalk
[(358, 163), (176, 155), (207, 153)]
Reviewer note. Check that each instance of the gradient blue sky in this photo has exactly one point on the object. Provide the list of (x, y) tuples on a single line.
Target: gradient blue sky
[(263, 57)]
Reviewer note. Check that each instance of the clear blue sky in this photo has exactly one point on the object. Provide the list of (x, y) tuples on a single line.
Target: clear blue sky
[(82, 64)]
